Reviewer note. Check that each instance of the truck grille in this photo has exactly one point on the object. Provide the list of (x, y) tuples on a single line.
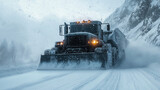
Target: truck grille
[(76, 40)]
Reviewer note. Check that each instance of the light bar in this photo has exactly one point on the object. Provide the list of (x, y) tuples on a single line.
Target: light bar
[(78, 22), (89, 21)]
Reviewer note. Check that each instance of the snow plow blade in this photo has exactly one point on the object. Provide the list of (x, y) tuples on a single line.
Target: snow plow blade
[(73, 61)]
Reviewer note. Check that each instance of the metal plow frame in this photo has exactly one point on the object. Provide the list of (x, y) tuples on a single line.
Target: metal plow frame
[(52, 61)]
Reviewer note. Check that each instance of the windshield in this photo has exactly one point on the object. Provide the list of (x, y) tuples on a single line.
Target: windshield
[(92, 28)]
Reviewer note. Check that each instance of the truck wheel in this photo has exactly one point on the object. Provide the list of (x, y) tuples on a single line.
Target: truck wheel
[(109, 62), (114, 56)]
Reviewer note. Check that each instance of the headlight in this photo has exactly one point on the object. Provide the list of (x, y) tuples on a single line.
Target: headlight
[(93, 42), (59, 43)]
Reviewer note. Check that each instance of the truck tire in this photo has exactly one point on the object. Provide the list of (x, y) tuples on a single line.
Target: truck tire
[(109, 62)]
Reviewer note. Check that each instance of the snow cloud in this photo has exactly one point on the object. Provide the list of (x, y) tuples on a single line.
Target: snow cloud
[(141, 54)]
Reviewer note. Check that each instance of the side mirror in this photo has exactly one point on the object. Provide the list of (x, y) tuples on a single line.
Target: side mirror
[(61, 30), (65, 28), (108, 27)]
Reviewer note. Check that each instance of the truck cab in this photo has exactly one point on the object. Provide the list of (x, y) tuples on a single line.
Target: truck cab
[(82, 36)]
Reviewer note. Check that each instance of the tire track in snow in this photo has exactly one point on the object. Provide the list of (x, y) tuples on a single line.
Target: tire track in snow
[(125, 80), (40, 81), (113, 85), (100, 79), (76, 81), (110, 83), (87, 81), (141, 82), (137, 81), (134, 81), (151, 79), (147, 81), (118, 79), (101, 84), (153, 74)]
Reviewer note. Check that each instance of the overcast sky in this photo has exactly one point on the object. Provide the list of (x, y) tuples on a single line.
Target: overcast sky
[(70, 9)]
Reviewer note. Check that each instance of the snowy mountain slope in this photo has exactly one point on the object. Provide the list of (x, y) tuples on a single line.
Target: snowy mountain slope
[(138, 19)]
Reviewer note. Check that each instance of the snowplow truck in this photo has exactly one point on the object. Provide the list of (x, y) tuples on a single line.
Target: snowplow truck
[(85, 46)]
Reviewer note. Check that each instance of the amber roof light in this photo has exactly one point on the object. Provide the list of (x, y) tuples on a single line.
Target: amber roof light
[(89, 21)]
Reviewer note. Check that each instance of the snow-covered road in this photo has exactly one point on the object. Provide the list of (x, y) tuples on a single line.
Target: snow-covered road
[(113, 79)]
